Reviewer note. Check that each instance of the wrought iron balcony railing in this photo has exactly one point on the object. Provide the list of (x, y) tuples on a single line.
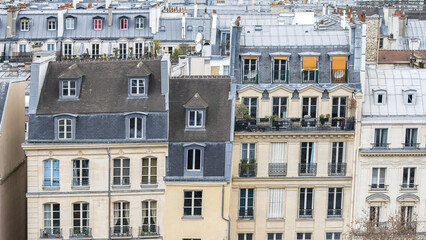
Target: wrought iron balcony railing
[(305, 213), (337, 169), (121, 231), (307, 169), (150, 230), (81, 232), (277, 169), (247, 169), (51, 233)]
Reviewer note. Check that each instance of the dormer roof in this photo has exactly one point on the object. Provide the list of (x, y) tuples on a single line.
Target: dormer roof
[(140, 70), (196, 102), (72, 72)]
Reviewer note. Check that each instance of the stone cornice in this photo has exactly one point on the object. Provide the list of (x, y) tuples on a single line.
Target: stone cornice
[(392, 153), (349, 135)]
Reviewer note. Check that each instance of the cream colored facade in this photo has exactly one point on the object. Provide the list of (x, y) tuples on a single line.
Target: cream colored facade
[(288, 222), (96, 195)]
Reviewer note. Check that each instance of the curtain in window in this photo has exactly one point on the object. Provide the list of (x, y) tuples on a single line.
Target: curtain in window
[(276, 205), (309, 63), (277, 153), (338, 62)]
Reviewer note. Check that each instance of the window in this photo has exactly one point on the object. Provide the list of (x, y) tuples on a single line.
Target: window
[(250, 70), (225, 46), (380, 43), (95, 50), (137, 87), (195, 118), (251, 104), (69, 88), (406, 214), (408, 175), (149, 217), (309, 70), (22, 48), (375, 214), (246, 208), (277, 166), (138, 50), (378, 179), (309, 107), (52, 223), (121, 171), (135, 128), (193, 162), (51, 24), (69, 23), (80, 219), (226, 70), (307, 160), (381, 137), (304, 236), (200, 28), (338, 110), (65, 129), (335, 199), (97, 24), (280, 71), (25, 24), (80, 172), (121, 218), (306, 203), (411, 137), (279, 107), (380, 97), (276, 203), (124, 23), (248, 151), (149, 170), (337, 166), (192, 203), (67, 49), (122, 50), (409, 97), (275, 236), (139, 21), (333, 236), (51, 47), (51, 173), (245, 236), (338, 69)]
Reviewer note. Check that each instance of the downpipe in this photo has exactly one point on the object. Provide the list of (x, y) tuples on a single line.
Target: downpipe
[(223, 217)]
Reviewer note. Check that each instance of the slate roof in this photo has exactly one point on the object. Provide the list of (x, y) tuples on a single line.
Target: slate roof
[(224, 21), (72, 72), (141, 70), (37, 23), (173, 29), (104, 89), (215, 92), (4, 87), (196, 102)]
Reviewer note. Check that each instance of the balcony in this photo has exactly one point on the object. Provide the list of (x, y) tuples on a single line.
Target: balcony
[(337, 169), (379, 145), (121, 232), (247, 169), (305, 213), (294, 124), (277, 169), (149, 231), (307, 169), (81, 233), (408, 186), (21, 57), (46, 233), (410, 145), (334, 213), (378, 187), (245, 213)]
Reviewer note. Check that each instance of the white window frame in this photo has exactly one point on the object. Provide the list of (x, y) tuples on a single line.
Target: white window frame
[(95, 50), (69, 23), (250, 105), (25, 25), (281, 65), (250, 147), (66, 124), (310, 105), (376, 217), (52, 229), (339, 107), (140, 83), (192, 207), (136, 133), (120, 210), (139, 23), (149, 173), (67, 88), (194, 159), (122, 50), (50, 47), (124, 180), (409, 97), (94, 24), (334, 236), (407, 214), (377, 175), (80, 212), (246, 205), (381, 134), (274, 236), (139, 50), (51, 24), (411, 174), (411, 134), (383, 99), (196, 123), (304, 236), (303, 192), (79, 177), (149, 215), (335, 194), (245, 236), (124, 23), (250, 65), (280, 106), (68, 49), (52, 178), (22, 48)]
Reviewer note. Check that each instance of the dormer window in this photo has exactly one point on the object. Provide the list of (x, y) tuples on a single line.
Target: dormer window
[(195, 113), (309, 69), (124, 23), (380, 97), (409, 97), (51, 23), (97, 23), (139, 23), (25, 24), (194, 159), (136, 125), (69, 23), (162, 28), (70, 83), (200, 28), (65, 128), (138, 87), (195, 118)]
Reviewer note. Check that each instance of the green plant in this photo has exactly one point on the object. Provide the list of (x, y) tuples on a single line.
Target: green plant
[(130, 52), (175, 55), (116, 50), (338, 118), (322, 116), (241, 110), (157, 46), (247, 116), (327, 115)]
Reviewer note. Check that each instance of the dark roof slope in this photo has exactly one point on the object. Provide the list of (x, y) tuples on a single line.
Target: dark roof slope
[(4, 86), (214, 90), (104, 89)]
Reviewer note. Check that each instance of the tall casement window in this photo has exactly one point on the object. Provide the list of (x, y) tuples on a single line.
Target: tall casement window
[(69, 23), (408, 178), (80, 219), (193, 162), (97, 23), (333, 236), (247, 166), (246, 204), (277, 165), (25, 24), (225, 43), (195, 118), (276, 203), (22, 48), (279, 107), (149, 217), (309, 107), (124, 23), (275, 236), (338, 69), (337, 166), (135, 128), (280, 70), (378, 179), (251, 104), (80, 172), (69, 88), (411, 138), (52, 223), (149, 170), (307, 160), (51, 173), (304, 236), (139, 22), (121, 218), (375, 214), (192, 205), (250, 72), (338, 110), (306, 202), (67, 49), (138, 50), (122, 50), (65, 128), (381, 138), (51, 24), (406, 214), (248, 151), (335, 202), (309, 69), (50, 47), (245, 236), (121, 170), (95, 50)]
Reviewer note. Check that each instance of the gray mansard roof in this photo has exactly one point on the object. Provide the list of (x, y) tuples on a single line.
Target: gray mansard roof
[(173, 29), (104, 89), (37, 25), (215, 93)]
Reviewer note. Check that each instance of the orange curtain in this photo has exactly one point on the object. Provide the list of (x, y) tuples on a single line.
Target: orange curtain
[(309, 63), (248, 57), (280, 58), (339, 62)]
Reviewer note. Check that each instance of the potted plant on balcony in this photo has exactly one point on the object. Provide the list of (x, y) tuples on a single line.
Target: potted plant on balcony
[(86, 232), (305, 120), (341, 122), (240, 111), (322, 119)]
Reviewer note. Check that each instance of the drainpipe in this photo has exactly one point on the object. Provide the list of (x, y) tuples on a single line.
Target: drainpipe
[(355, 162), (109, 194), (226, 219)]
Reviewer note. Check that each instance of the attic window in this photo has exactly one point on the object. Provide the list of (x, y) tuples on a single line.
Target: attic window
[(124, 23), (25, 24), (409, 97), (189, 28), (69, 23), (380, 97), (258, 28), (162, 28), (97, 23), (200, 28), (51, 23), (195, 113), (139, 22)]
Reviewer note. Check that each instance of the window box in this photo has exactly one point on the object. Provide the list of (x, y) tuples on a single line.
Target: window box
[(248, 169)]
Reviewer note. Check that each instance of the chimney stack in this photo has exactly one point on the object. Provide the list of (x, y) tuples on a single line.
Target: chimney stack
[(11, 22), (195, 9), (110, 15)]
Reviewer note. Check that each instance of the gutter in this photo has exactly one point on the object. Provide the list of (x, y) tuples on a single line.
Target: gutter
[(109, 194), (355, 163), (226, 219)]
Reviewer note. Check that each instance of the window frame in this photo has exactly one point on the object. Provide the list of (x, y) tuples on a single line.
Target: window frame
[(139, 21), (54, 173), (149, 216), (407, 94), (68, 21), (194, 172), (278, 61), (250, 152), (120, 209), (336, 211), (383, 98), (304, 193), (196, 111), (138, 80), (68, 88), (378, 184), (333, 235), (135, 132), (139, 50), (79, 177), (411, 136), (408, 178), (274, 236), (124, 23), (250, 62), (192, 206), (80, 212), (310, 109), (51, 24), (68, 122), (252, 108), (276, 200), (96, 50), (50, 47), (277, 108), (128, 120), (246, 208), (152, 178), (55, 222), (68, 49), (124, 180), (381, 137), (304, 236), (22, 48), (24, 24), (245, 236), (308, 72), (97, 24)]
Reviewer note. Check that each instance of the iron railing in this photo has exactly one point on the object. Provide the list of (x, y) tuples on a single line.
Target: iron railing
[(51, 233), (337, 169), (149, 230), (334, 213), (277, 169), (81, 232), (408, 186), (378, 187), (245, 213), (247, 169), (379, 145), (410, 145), (305, 213), (121, 231), (307, 169)]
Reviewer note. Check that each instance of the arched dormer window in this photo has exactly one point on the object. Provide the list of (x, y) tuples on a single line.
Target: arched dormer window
[(124, 23), (194, 159)]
